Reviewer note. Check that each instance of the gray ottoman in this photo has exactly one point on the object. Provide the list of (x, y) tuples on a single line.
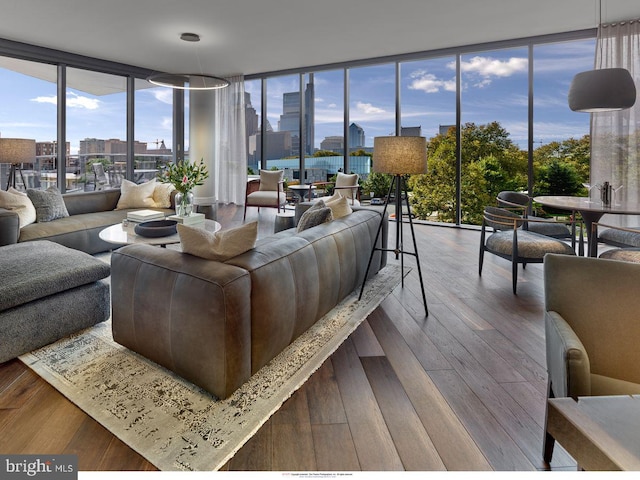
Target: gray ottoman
[(48, 291)]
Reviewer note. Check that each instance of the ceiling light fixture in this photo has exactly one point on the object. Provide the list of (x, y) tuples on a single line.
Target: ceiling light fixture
[(602, 90), (189, 81)]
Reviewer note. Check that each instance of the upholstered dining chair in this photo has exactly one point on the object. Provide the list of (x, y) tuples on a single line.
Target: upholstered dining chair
[(592, 331), (511, 242), (627, 239), (266, 191), (544, 226)]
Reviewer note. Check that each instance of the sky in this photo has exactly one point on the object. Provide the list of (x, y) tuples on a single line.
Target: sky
[(494, 88)]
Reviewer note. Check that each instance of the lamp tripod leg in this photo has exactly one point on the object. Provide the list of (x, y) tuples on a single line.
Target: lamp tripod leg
[(415, 249)]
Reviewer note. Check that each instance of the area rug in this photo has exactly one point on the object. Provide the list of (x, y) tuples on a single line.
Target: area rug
[(169, 421)]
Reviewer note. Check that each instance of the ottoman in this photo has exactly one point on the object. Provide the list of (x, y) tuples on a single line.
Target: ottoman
[(48, 291)]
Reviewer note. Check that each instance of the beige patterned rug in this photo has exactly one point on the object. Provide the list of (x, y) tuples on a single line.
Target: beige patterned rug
[(169, 421)]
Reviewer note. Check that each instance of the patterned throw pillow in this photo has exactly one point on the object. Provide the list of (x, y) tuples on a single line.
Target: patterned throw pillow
[(19, 203), (162, 195), (319, 213), (219, 246), (48, 203)]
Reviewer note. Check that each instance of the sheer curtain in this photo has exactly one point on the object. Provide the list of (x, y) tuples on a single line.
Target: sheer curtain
[(229, 143), (615, 136)]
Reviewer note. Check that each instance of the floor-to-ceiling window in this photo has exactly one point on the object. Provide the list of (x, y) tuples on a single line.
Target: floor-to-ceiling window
[(96, 125), (253, 123), (428, 109), (282, 146), (153, 129), (28, 102)]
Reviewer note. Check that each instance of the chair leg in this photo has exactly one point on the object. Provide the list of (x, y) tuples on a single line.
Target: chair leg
[(514, 275), (548, 442), (244, 217)]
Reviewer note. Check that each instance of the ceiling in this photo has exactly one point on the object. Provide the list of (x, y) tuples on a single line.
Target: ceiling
[(258, 36)]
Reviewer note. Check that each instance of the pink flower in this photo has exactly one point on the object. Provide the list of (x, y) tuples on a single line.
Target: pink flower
[(185, 180)]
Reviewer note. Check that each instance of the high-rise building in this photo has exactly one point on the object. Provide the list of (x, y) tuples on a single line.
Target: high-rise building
[(290, 119), (333, 143), (356, 136), (411, 131)]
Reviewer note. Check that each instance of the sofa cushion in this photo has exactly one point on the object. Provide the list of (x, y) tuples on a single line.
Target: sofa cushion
[(319, 213), (219, 246), (34, 270), (19, 203), (339, 207), (136, 196), (48, 203)]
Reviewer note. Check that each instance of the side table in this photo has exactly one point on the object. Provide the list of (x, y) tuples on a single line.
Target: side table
[(284, 221)]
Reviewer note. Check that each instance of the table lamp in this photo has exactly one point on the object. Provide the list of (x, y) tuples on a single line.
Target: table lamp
[(399, 156), (16, 151)]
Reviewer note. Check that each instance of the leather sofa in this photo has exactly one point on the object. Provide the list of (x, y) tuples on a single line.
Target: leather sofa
[(89, 213), (215, 324)]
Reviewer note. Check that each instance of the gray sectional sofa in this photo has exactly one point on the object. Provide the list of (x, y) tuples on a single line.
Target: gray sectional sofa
[(216, 323), (89, 213)]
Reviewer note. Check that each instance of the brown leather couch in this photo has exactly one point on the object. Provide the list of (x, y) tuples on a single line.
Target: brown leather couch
[(216, 324), (89, 213)]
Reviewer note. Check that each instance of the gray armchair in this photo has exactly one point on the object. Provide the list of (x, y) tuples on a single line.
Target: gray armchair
[(592, 329)]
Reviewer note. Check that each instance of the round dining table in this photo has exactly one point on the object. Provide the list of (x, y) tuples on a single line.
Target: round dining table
[(591, 211)]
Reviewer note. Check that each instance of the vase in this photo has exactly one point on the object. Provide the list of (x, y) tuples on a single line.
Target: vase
[(184, 204)]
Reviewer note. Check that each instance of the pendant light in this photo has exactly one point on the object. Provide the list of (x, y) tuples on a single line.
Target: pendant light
[(602, 90), (188, 81)]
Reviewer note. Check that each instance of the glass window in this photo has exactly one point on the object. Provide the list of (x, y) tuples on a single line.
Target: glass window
[(326, 153), (495, 87), (428, 109), (96, 127), (153, 130), (282, 148), (561, 152), (28, 99), (253, 119)]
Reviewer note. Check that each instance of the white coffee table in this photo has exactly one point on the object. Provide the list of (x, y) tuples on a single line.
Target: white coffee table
[(119, 235)]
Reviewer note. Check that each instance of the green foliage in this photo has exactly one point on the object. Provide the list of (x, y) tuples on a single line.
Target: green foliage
[(326, 153), (491, 163), (184, 175), (360, 153), (250, 171), (558, 178), (378, 183)]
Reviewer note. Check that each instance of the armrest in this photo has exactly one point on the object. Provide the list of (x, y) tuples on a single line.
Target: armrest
[(9, 227), (568, 364)]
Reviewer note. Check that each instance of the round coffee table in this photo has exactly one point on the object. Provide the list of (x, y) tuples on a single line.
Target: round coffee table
[(120, 235)]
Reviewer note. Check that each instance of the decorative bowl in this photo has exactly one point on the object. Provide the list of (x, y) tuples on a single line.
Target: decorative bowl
[(156, 228)]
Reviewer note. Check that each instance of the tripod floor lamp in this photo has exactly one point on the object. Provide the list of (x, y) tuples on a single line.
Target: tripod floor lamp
[(399, 156), (16, 151)]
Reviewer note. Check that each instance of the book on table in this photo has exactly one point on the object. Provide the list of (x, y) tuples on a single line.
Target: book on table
[(144, 215), (191, 219)]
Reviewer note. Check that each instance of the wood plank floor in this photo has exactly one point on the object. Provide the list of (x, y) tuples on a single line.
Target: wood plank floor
[(462, 389)]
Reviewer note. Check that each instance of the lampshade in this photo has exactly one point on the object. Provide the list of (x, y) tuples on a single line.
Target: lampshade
[(17, 150), (400, 155), (188, 81), (602, 90)]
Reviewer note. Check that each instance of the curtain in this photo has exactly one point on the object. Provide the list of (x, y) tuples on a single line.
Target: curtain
[(229, 143), (615, 136)]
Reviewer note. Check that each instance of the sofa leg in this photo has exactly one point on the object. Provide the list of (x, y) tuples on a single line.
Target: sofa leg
[(547, 449)]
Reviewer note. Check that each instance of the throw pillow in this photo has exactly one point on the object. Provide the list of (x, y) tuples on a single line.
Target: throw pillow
[(48, 203), (269, 179), (335, 196), (162, 195), (136, 196), (319, 213), (219, 246), (339, 207), (19, 203)]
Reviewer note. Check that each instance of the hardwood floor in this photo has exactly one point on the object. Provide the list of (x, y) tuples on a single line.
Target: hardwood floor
[(463, 389)]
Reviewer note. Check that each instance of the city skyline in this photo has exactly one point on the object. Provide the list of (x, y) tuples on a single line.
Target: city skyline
[(494, 88)]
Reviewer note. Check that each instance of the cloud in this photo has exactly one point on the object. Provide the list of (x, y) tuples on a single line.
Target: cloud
[(369, 109), (429, 83), (73, 101), (487, 68), (164, 95)]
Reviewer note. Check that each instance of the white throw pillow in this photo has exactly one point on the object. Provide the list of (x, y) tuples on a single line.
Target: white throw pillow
[(162, 195), (269, 179), (339, 207), (219, 246), (19, 203), (136, 196)]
